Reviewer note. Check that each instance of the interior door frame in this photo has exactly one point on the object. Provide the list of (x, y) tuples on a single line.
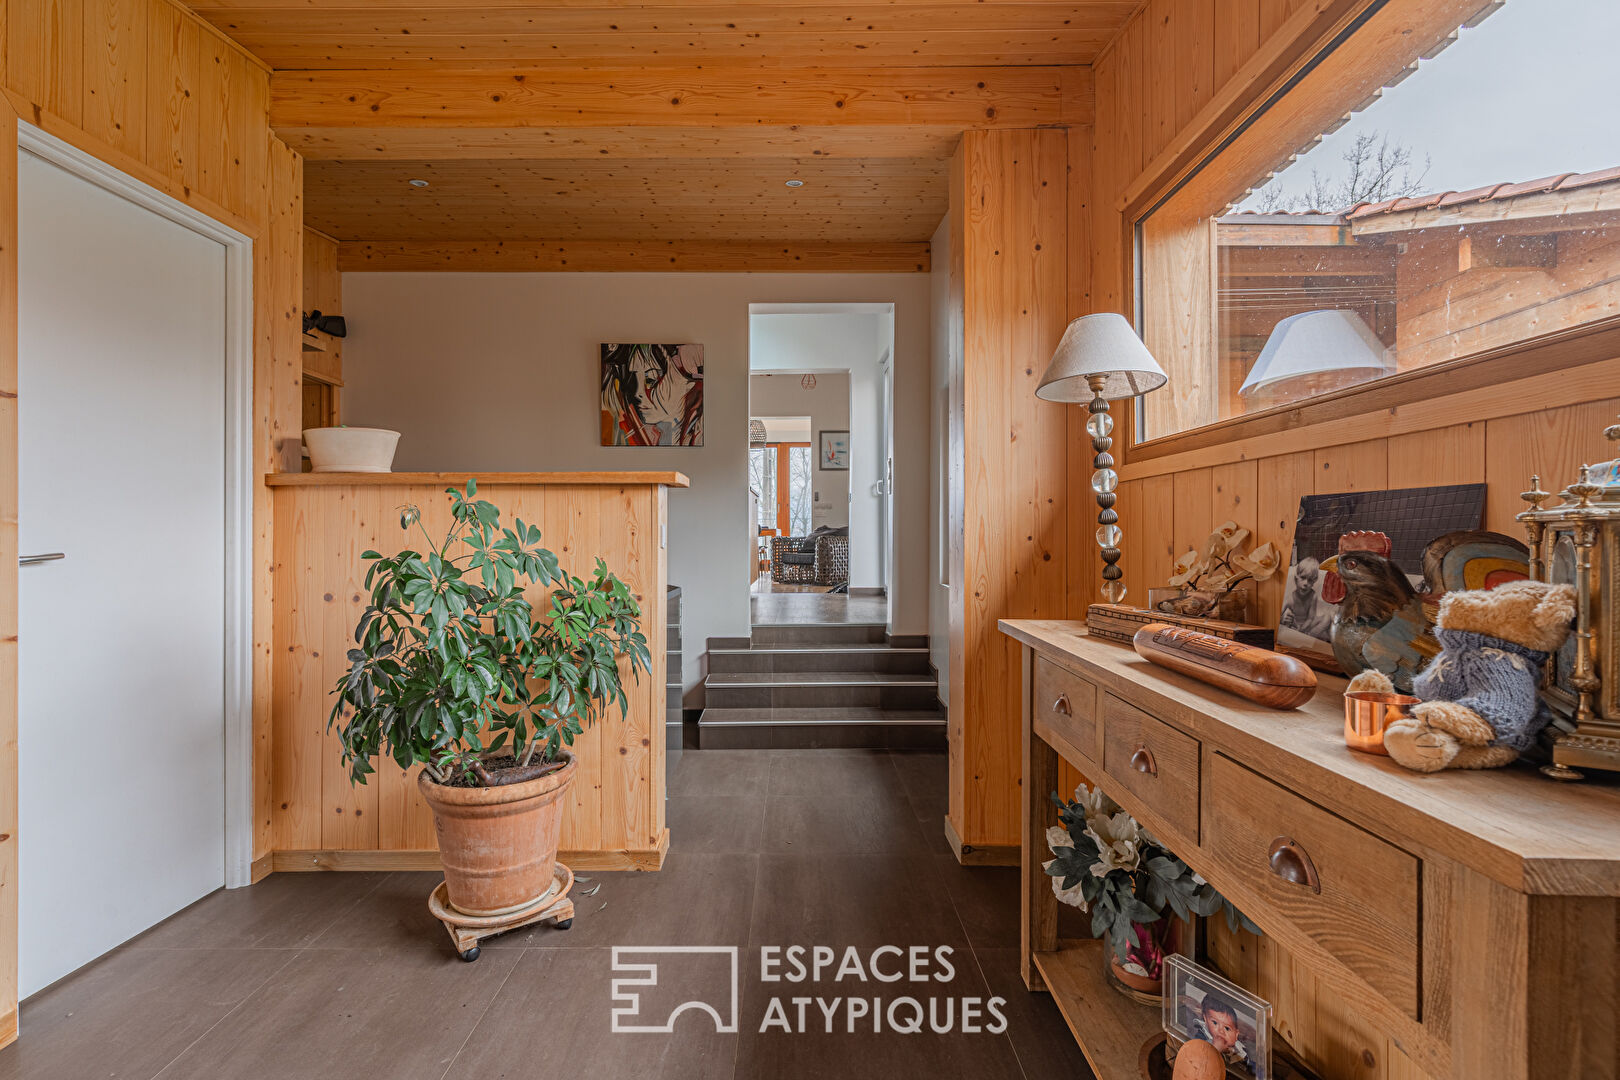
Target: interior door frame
[(238, 613)]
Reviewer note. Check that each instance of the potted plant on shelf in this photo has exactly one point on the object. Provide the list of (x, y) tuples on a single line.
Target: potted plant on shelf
[(1106, 864), (454, 670), (1204, 583)]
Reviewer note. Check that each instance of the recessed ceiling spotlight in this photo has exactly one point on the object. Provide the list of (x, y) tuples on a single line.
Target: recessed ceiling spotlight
[(795, 182), (417, 182)]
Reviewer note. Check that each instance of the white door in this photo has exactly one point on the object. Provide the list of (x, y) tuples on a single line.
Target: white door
[(121, 394)]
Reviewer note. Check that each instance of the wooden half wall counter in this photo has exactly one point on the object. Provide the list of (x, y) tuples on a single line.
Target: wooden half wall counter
[(324, 521)]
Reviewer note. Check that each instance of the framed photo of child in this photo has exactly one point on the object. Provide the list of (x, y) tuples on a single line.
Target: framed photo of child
[(1199, 1004)]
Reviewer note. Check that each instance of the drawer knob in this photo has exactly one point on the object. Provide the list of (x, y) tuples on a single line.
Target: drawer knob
[(1142, 761), (1061, 705), (1290, 862)]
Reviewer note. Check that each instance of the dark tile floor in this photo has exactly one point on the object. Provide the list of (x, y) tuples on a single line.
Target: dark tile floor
[(767, 606), (309, 976)]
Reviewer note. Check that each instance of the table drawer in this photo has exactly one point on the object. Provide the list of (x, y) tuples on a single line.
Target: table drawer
[(1353, 894), (1067, 703), (1153, 761)]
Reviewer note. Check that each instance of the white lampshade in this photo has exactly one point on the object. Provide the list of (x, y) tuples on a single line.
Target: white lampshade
[(1100, 345), (1316, 343)]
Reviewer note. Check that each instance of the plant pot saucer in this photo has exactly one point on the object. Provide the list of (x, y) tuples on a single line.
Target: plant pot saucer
[(466, 931)]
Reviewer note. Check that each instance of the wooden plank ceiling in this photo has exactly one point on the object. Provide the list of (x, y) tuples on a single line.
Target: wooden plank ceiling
[(675, 122)]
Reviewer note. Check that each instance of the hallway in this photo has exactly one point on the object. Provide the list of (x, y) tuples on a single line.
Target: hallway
[(307, 976)]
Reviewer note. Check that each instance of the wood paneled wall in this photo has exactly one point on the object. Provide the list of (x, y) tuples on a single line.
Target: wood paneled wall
[(1163, 87), (155, 92), (616, 819), (1015, 225)]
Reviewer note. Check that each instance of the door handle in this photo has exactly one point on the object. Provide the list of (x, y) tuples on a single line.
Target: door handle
[(1061, 705), (1142, 761), (49, 556)]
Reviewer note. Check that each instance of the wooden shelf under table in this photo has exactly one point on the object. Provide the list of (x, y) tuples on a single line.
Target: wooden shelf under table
[(1109, 1026)]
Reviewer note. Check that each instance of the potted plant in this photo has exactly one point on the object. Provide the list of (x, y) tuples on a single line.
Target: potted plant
[(1205, 582), (1106, 864), (454, 670)]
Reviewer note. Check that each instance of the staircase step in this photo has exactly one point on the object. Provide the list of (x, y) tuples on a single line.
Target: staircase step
[(780, 634), (800, 728), (820, 689), (820, 658)]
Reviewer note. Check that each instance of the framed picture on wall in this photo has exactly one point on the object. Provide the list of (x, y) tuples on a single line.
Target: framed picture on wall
[(652, 395), (834, 451)]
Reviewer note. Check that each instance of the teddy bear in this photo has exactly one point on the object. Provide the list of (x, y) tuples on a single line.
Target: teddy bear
[(1480, 706)]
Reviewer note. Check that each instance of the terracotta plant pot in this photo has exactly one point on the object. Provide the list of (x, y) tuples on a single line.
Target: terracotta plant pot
[(1142, 984), (498, 844)]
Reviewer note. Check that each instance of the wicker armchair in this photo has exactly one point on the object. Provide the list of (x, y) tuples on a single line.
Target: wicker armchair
[(810, 560)]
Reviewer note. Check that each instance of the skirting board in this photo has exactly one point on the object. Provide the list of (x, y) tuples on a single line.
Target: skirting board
[(283, 862), (981, 854)]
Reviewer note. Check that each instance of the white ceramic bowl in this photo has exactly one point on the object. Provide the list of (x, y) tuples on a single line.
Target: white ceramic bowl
[(351, 449)]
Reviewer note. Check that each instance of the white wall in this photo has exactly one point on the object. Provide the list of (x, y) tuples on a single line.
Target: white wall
[(857, 342), (498, 372), (940, 373), (827, 406)]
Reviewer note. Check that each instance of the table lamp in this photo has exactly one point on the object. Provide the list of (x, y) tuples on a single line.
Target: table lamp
[(1099, 360)]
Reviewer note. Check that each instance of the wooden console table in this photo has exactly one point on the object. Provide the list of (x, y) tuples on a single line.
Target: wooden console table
[(1470, 915)]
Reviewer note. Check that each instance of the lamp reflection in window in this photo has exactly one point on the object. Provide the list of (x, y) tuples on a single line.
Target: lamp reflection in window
[(1311, 353)]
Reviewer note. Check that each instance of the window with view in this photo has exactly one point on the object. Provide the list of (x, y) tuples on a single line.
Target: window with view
[(1472, 202)]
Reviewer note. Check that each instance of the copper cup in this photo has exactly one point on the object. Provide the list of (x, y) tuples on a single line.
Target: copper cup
[(1367, 714)]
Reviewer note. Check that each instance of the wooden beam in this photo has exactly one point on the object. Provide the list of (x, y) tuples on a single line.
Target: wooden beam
[(966, 97), (541, 256), (853, 141), (1507, 253), (1296, 262)]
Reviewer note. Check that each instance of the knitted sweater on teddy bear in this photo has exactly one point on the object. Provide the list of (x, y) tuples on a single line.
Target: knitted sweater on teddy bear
[(1495, 678)]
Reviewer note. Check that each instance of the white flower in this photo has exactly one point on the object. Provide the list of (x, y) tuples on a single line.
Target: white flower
[(1119, 840), (1186, 568), (1095, 802), (1260, 563), (1228, 537), (1058, 837), (1074, 897)]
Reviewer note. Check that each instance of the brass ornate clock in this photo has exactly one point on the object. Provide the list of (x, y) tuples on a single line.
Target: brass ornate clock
[(1578, 543)]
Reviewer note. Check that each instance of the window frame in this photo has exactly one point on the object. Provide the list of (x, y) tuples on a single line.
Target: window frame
[(1279, 101)]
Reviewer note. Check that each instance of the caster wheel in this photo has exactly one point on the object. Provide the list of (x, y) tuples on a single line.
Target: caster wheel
[(563, 924), (471, 954)]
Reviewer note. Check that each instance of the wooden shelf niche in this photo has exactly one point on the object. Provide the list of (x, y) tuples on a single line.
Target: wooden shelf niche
[(322, 353)]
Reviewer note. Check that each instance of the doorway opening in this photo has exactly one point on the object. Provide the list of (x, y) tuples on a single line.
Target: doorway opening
[(820, 462)]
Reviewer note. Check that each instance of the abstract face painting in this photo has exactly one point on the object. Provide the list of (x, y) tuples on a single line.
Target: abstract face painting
[(652, 395)]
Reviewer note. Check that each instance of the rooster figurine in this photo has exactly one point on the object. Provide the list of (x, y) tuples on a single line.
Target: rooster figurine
[(1382, 622)]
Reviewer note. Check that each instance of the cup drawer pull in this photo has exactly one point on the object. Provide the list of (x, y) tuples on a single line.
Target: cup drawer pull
[(1061, 705), (1290, 862), (1142, 761)]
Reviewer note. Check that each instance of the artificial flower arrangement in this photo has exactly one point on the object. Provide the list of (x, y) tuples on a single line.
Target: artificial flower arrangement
[(1208, 577), (1106, 864)]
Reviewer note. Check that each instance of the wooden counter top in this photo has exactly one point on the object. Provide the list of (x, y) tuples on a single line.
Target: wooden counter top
[(1530, 833), (600, 479)]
